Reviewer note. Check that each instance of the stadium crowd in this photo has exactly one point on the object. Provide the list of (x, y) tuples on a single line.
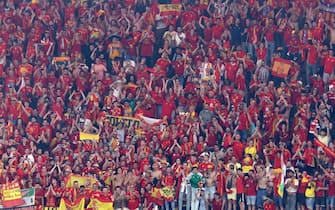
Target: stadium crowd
[(229, 133)]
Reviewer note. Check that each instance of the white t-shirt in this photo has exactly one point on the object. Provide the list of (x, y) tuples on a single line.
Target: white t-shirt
[(295, 183)]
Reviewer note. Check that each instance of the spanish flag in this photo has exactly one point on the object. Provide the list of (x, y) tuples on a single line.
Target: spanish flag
[(101, 204), (82, 180), (157, 196), (78, 204), (58, 61), (281, 67), (88, 136)]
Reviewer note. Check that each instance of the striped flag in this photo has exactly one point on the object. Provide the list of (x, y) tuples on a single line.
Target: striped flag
[(78, 204)]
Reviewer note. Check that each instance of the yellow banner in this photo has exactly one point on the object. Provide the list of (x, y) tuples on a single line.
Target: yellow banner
[(99, 204), (11, 192), (11, 195), (82, 180), (170, 9), (88, 136)]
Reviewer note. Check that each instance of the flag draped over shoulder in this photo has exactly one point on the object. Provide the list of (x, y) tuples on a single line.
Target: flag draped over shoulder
[(101, 204), (11, 195), (281, 67), (82, 180), (78, 204)]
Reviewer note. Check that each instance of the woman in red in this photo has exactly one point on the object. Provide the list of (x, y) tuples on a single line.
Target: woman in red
[(261, 52)]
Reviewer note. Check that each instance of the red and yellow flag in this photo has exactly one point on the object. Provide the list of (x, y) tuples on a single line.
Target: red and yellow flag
[(170, 9), (11, 195), (157, 196), (100, 203), (61, 60), (281, 67), (82, 180), (78, 204)]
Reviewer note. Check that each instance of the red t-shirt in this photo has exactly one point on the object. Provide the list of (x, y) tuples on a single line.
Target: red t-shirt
[(251, 189), (302, 187), (239, 185), (331, 188), (309, 156), (217, 31), (329, 64), (261, 53), (231, 69), (221, 183), (319, 193), (243, 121), (312, 54), (133, 201), (217, 204)]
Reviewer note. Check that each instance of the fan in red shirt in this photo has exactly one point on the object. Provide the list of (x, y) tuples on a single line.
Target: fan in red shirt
[(329, 65), (231, 69), (217, 202), (133, 198)]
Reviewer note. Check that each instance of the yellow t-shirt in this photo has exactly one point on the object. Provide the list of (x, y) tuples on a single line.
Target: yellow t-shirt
[(310, 190), (251, 150)]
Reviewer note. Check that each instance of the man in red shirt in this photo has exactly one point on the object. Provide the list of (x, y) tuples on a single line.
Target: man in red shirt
[(329, 65), (320, 190), (312, 57), (240, 190), (251, 189), (269, 40)]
